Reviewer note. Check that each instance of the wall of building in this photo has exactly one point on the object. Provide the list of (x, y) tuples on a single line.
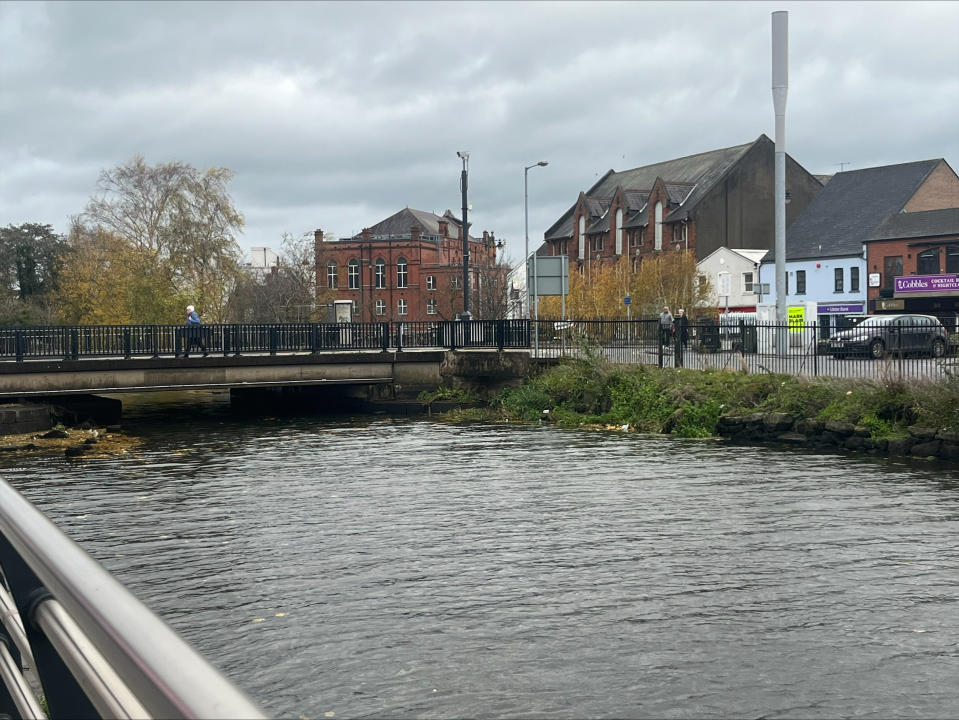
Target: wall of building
[(736, 265), (940, 190), (820, 286), (739, 212), (441, 259)]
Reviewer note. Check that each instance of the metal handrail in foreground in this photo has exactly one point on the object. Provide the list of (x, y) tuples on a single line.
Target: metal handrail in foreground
[(125, 659)]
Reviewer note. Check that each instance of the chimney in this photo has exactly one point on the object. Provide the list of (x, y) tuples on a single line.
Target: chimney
[(414, 232), (366, 235), (444, 229)]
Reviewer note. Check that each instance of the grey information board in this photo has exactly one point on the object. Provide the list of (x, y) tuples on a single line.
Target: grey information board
[(552, 275)]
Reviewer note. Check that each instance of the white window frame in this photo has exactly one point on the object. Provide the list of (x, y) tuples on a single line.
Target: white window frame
[(430, 282), (402, 273), (402, 307), (658, 216), (354, 275), (380, 307), (431, 306), (379, 274), (332, 276)]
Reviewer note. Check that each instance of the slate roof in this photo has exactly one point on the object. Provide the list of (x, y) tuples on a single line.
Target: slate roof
[(691, 177), (929, 223), (636, 199), (640, 219), (427, 222), (850, 207)]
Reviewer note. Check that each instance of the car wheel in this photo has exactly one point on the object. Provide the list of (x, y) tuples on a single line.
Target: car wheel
[(938, 348), (877, 348)]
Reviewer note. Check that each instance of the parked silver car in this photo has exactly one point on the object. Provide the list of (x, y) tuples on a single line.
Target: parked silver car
[(880, 334)]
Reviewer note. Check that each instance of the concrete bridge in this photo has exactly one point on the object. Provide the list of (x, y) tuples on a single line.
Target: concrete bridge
[(400, 373)]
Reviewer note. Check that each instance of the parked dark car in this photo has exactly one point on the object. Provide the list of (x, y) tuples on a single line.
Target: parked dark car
[(881, 334)]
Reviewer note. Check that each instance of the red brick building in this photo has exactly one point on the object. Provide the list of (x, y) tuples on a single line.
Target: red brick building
[(699, 203), (409, 267), (921, 245)]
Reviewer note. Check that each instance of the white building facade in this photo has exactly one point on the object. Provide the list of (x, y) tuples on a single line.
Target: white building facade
[(836, 284), (732, 275)]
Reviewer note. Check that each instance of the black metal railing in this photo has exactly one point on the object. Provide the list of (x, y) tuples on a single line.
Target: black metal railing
[(905, 351), (897, 351), (137, 341)]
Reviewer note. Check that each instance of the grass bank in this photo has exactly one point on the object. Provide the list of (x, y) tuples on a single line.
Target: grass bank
[(690, 403)]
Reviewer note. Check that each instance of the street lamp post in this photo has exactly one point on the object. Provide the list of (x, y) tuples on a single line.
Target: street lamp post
[(541, 163), (466, 236)]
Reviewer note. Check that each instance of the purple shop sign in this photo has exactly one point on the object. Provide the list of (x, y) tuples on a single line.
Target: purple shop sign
[(836, 308), (927, 283)]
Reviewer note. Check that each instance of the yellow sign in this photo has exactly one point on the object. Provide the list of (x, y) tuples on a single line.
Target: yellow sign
[(797, 318)]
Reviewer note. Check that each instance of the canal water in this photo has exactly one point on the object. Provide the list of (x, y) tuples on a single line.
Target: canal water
[(375, 567)]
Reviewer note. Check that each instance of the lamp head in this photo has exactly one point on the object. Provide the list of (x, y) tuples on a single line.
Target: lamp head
[(543, 163), (463, 154)]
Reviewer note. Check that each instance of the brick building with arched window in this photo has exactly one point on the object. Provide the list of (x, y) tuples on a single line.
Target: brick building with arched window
[(409, 267)]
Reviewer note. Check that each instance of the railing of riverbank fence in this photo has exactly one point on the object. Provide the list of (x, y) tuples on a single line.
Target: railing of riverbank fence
[(908, 352), (94, 649), (899, 352)]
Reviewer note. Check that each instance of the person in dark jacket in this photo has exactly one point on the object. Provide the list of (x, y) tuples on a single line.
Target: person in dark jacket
[(682, 327), (194, 335)]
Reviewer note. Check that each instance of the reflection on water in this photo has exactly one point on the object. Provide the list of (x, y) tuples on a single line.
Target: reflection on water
[(371, 567)]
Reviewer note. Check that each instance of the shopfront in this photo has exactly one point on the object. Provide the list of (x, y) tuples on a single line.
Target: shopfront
[(834, 316), (929, 295)]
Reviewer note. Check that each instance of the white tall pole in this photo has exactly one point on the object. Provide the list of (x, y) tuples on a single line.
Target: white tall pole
[(780, 63), (526, 220)]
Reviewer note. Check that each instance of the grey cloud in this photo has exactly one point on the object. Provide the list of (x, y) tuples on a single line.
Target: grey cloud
[(338, 114)]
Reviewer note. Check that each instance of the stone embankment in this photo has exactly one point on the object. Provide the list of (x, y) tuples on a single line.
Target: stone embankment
[(832, 434)]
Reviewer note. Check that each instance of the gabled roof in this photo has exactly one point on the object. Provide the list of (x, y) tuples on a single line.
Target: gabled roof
[(850, 207), (750, 255), (691, 178), (929, 223)]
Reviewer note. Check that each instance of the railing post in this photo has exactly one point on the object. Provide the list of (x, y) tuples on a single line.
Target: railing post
[(385, 336), (18, 344), (451, 326), (126, 343), (64, 696), (815, 349), (74, 344), (500, 335), (399, 337), (272, 339), (659, 343)]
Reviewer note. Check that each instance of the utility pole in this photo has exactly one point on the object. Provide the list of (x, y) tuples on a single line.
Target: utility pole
[(464, 182)]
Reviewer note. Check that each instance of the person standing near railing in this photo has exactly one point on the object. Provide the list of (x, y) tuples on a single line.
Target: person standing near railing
[(682, 327), (194, 335), (665, 326)]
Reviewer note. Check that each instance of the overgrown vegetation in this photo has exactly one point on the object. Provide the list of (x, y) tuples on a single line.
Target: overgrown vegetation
[(689, 403)]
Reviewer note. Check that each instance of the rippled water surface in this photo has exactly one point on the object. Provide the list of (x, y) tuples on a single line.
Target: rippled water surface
[(371, 567)]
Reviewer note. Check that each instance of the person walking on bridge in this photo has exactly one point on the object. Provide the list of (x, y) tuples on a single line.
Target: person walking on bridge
[(194, 335)]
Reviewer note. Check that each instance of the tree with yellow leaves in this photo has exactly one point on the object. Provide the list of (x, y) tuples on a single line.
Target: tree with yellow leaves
[(597, 291)]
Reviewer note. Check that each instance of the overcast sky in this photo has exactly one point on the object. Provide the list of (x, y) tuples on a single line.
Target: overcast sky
[(337, 115)]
